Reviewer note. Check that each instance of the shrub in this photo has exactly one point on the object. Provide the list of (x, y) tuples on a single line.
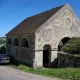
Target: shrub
[(72, 46), (3, 49)]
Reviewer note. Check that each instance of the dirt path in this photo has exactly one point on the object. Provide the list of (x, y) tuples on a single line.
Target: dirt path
[(9, 73)]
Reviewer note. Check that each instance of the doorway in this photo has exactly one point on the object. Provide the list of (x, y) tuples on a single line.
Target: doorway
[(46, 55), (62, 43)]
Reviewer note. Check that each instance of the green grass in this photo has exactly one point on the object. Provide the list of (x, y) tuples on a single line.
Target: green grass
[(61, 73)]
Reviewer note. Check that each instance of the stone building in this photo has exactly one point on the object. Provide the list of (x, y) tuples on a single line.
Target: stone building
[(37, 39)]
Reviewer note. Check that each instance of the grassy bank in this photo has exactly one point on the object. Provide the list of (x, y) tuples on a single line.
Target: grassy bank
[(62, 73)]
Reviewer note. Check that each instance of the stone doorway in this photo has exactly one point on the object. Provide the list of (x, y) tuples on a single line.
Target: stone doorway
[(62, 43), (46, 55)]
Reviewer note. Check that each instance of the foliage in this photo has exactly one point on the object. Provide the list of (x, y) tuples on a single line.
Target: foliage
[(2, 40), (63, 73), (3, 49), (2, 45), (72, 46)]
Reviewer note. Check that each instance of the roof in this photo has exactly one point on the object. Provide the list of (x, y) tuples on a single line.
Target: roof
[(30, 24)]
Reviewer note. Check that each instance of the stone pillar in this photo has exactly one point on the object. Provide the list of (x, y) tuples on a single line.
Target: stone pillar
[(39, 58), (53, 55), (34, 63)]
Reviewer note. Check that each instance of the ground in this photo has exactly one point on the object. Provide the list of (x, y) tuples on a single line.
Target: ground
[(9, 73)]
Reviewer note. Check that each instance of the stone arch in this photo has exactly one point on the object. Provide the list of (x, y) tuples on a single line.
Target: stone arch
[(9, 41), (16, 42), (46, 55), (25, 43), (63, 42)]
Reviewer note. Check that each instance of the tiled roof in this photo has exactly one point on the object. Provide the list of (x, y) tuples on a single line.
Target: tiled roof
[(30, 24)]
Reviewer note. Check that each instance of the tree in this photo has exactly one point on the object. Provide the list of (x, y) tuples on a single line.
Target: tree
[(3, 50)]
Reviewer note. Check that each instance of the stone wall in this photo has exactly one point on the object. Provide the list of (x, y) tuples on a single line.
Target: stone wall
[(21, 54), (61, 25), (68, 60), (55, 29)]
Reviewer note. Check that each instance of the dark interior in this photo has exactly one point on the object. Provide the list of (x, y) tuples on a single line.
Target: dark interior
[(62, 43), (45, 58)]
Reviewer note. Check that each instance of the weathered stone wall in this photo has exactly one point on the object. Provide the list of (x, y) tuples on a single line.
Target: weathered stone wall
[(22, 54), (29, 37), (68, 60), (54, 30), (63, 24)]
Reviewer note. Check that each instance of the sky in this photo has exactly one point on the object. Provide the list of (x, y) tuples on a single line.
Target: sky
[(12, 12)]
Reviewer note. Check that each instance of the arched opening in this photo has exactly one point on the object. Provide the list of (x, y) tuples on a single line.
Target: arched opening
[(9, 41), (46, 55), (16, 43), (62, 43), (25, 43)]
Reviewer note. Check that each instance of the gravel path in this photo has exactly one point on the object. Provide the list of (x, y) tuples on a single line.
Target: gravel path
[(9, 73)]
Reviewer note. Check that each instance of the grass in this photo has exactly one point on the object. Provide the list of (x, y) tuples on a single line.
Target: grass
[(61, 73)]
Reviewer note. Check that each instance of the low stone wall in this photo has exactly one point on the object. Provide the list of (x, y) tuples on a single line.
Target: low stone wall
[(21, 55), (68, 60)]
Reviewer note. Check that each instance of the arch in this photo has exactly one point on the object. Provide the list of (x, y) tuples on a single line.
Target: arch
[(25, 43), (9, 41), (46, 55), (62, 43), (16, 43)]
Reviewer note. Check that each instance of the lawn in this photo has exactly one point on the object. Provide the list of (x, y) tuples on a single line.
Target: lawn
[(61, 73)]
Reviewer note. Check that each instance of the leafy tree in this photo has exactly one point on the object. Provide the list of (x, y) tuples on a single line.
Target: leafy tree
[(3, 49), (2, 40)]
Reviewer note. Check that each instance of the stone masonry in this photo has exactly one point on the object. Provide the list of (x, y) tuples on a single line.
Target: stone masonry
[(63, 24)]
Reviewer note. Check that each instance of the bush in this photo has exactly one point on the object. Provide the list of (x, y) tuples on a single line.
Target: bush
[(72, 46), (3, 50)]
